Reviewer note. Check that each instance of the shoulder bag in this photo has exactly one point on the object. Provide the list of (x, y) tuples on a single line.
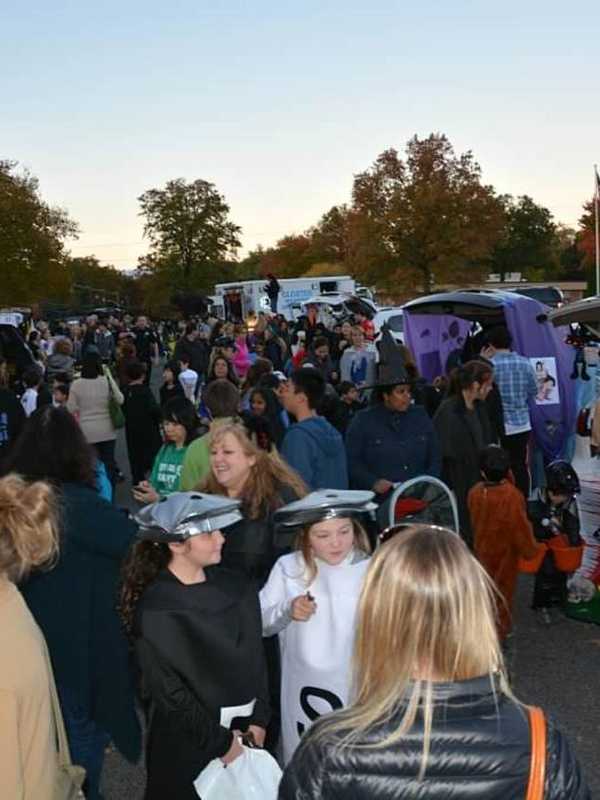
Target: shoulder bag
[(537, 769), (117, 417), (69, 777)]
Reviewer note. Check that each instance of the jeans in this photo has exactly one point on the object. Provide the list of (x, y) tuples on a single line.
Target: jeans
[(516, 447), (106, 454), (87, 741)]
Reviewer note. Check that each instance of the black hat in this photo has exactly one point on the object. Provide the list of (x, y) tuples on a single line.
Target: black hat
[(391, 369), (325, 504), (562, 478), (184, 514)]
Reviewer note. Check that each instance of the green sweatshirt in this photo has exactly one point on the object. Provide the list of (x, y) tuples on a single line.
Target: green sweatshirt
[(166, 470)]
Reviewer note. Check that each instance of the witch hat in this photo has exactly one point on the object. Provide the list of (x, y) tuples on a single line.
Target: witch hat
[(391, 369)]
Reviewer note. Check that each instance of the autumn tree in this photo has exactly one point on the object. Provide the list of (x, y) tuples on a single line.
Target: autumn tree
[(190, 231), (32, 240), (432, 218), (529, 241)]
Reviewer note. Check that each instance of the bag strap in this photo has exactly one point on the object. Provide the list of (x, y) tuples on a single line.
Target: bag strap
[(64, 754), (537, 769)]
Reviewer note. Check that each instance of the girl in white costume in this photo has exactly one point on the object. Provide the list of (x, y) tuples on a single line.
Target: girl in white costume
[(310, 601)]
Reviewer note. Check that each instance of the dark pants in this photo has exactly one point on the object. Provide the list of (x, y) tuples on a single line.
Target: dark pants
[(516, 447), (106, 454), (87, 741)]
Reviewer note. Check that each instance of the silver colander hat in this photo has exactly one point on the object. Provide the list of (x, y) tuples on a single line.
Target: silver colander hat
[(183, 514), (325, 504)]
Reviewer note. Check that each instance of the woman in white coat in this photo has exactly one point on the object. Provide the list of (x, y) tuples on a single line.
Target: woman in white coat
[(310, 601)]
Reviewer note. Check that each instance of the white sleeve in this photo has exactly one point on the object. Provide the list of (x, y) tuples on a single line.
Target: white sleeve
[(275, 606)]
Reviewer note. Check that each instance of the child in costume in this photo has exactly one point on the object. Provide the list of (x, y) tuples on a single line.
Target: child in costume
[(310, 601), (553, 512), (197, 638), (502, 532)]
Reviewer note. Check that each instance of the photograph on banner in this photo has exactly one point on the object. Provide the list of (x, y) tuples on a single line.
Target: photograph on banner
[(546, 377)]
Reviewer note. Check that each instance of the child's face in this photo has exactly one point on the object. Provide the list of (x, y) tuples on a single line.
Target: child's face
[(332, 539), (351, 396), (557, 498), (60, 398)]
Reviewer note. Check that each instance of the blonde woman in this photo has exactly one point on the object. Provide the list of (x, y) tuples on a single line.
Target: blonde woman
[(28, 538), (310, 602), (433, 716)]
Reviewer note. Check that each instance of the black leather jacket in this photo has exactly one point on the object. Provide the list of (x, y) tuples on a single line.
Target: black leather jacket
[(480, 748)]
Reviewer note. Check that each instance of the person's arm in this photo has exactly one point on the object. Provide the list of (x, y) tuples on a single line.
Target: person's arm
[(12, 759), (275, 607), (361, 476), (297, 450), (564, 778), (73, 401), (526, 544), (173, 699), (262, 709), (532, 387)]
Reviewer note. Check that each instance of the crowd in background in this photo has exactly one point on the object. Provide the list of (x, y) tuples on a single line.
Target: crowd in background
[(264, 414)]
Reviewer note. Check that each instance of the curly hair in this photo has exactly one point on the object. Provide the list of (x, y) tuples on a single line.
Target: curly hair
[(142, 565), (262, 491)]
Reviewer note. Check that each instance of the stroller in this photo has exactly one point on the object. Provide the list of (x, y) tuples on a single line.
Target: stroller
[(424, 500)]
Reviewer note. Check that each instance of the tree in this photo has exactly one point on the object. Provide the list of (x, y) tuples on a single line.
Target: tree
[(430, 215), (189, 229), (529, 241), (32, 240)]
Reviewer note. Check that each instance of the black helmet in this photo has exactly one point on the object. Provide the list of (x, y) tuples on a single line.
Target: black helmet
[(561, 477)]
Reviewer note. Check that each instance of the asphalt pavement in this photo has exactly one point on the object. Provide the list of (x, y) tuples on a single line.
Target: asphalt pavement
[(555, 667)]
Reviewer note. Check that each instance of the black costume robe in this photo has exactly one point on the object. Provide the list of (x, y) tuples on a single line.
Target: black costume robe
[(200, 651)]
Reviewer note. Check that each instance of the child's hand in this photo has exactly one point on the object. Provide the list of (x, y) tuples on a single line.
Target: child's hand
[(303, 607), (144, 492)]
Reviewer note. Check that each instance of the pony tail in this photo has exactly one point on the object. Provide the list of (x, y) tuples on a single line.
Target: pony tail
[(28, 526), (142, 565)]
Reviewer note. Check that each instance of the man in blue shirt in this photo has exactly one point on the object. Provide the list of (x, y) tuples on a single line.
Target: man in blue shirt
[(515, 378), (313, 447)]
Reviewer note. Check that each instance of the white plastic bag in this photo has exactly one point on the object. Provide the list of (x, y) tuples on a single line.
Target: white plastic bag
[(254, 775)]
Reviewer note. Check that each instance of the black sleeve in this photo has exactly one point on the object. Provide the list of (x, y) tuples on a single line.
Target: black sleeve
[(262, 709), (172, 698), (303, 777), (564, 778)]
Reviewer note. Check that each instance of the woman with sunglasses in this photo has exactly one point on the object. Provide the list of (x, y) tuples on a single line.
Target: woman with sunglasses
[(433, 716)]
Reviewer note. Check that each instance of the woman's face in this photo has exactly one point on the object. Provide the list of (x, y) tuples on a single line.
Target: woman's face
[(485, 388), (399, 398), (168, 376), (258, 404), (346, 331), (203, 550), (332, 539), (230, 465), (221, 368)]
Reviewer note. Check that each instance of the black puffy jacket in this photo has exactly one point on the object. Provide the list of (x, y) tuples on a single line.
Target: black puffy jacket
[(480, 748)]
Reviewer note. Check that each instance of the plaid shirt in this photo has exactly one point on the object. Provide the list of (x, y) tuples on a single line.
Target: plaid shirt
[(515, 379)]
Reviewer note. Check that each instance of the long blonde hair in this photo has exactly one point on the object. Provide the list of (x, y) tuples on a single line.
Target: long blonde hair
[(28, 526), (425, 614), (262, 491)]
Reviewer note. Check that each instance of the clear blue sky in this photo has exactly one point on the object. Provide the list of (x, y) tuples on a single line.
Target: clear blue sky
[(279, 103)]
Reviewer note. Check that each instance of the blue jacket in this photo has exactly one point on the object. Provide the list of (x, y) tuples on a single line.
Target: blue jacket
[(395, 446), (315, 449)]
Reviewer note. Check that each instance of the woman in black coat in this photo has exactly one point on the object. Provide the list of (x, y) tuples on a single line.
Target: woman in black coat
[(142, 420), (74, 603), (463, 429), (434, 717), (197, 636)]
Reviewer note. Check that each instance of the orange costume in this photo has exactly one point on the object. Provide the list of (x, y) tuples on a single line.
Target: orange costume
[(502, 535)]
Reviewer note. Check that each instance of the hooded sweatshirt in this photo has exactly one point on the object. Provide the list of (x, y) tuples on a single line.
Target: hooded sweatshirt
[(315, 449)]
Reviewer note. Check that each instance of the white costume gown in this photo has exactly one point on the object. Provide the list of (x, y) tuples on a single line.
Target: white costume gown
[(316, 654)]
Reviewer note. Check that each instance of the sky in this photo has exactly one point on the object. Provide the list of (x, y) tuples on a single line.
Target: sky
[(279, 104)]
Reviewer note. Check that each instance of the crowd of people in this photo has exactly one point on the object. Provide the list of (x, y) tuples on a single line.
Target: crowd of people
[(249, 589)]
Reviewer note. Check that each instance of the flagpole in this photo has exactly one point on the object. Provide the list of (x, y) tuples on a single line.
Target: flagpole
[(596, 198)]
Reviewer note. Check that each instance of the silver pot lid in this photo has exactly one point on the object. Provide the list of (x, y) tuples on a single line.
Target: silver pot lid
[(325, 504), (183, 514)]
